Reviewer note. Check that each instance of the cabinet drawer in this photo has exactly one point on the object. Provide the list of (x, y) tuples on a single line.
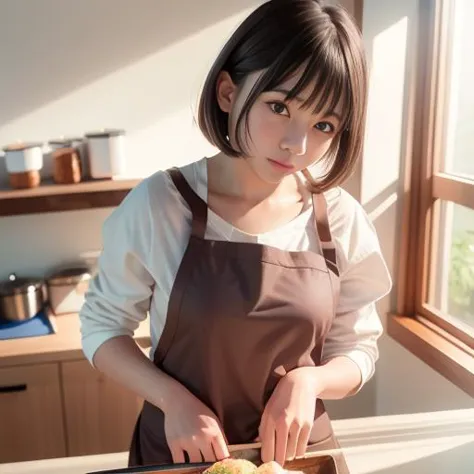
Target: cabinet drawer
[(100, 414), (31, 415)]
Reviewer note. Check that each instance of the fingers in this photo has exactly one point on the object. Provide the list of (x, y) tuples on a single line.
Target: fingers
[(177, 453), (196, 442), (209, 451), (208, 454), (220, 448), (268, 437), (178, 449), (303, 439), (283, 443), (194, 453), (293, 442)]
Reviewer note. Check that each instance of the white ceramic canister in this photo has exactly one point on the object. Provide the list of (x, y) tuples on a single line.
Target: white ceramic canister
[(106, 151), (24, 162), (23, 157)]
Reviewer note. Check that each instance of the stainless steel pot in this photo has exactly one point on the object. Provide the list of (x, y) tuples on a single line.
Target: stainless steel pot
[(20, 298)]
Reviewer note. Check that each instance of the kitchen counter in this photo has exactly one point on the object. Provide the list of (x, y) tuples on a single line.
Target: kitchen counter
[(435, 443), (63, 345)]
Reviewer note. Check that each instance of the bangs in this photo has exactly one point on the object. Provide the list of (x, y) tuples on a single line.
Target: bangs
[(323, 72)]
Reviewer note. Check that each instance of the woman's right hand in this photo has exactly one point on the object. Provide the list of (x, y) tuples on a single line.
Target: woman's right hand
[(191, 427)]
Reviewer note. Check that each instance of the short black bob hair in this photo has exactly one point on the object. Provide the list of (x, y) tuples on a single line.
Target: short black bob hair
[(280, 38)]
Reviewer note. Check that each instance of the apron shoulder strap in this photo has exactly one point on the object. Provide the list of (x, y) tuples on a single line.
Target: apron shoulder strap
[(324, 232), (196, 204)]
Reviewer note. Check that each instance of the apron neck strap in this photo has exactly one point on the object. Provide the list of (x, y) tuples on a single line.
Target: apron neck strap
[(199, 210), (323, 230), (196, 204)]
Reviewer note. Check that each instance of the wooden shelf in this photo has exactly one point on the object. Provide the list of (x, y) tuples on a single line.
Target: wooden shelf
[(50, 197)]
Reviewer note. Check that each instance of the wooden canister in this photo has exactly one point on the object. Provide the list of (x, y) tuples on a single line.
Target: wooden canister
[(67, 166), (25, 179)]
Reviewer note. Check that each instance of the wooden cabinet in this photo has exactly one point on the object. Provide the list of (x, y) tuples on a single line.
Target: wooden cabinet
[(31, 421), (54, 404), (63, 409), (100, 415)]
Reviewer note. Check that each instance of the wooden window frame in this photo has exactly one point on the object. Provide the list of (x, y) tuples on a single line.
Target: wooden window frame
[(419, 327)]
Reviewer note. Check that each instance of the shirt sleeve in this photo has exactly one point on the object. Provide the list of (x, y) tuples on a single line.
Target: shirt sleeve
[(119, 295), (364, 280)]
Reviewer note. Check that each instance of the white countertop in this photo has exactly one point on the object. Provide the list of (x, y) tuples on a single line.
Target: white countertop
[(435, 443)]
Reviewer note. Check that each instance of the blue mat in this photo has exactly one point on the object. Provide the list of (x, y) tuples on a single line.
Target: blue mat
[(39, 325)]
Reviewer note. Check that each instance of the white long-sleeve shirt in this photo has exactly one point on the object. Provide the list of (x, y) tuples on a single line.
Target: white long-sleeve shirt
[(144, 240)]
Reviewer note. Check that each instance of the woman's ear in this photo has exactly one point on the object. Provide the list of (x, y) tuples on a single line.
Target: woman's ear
[(225, 90)]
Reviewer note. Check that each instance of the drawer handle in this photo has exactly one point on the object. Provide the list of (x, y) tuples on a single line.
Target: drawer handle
[(13, 388)]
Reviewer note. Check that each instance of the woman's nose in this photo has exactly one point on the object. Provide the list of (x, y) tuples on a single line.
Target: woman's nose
[(295, 140)]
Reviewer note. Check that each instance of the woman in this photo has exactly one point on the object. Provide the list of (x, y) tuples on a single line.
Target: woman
[(259, 273)]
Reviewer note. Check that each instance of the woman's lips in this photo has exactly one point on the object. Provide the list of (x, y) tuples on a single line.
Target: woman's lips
[(280, 165)]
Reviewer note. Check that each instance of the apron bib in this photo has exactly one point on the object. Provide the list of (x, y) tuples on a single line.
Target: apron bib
[(240, 316)]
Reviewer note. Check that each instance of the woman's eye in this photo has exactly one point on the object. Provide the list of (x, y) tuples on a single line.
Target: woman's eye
[(278, 108), (325, 127)]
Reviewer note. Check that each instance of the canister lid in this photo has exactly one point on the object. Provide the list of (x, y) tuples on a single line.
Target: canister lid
[(22, 146), (105, 133), (65, 142), (15, 285), (69, 276)]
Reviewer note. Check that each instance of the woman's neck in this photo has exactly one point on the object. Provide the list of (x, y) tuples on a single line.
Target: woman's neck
[(234, 177)]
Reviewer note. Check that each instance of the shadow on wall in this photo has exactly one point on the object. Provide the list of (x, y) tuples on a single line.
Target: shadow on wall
[(61, 46)]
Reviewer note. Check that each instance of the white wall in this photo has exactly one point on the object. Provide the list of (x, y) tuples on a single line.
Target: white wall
[(70, 67)]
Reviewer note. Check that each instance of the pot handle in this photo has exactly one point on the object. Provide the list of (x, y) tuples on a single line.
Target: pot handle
[(14, 388)]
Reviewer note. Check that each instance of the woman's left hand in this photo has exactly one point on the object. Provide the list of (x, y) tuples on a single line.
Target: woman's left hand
[(289, 415)]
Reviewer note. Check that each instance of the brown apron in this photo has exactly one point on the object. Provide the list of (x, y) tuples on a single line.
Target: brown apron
[(240, 316)]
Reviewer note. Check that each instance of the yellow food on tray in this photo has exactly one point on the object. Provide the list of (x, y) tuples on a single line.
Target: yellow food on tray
[(243, 466), (232, 466), (271, 467)]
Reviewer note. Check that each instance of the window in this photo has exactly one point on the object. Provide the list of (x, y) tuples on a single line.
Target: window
[(448, 296), (436, 295)]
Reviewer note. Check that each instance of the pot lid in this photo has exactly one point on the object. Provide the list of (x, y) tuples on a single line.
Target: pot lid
[(70, 275), (22, 146), (15, 285), (105, 133)]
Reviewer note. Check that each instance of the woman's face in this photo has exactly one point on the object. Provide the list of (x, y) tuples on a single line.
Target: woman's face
[(283, 137)]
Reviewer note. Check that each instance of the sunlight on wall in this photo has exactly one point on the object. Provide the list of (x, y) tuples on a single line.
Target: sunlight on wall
[(153, 100), (408, 444), (381, 167)]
